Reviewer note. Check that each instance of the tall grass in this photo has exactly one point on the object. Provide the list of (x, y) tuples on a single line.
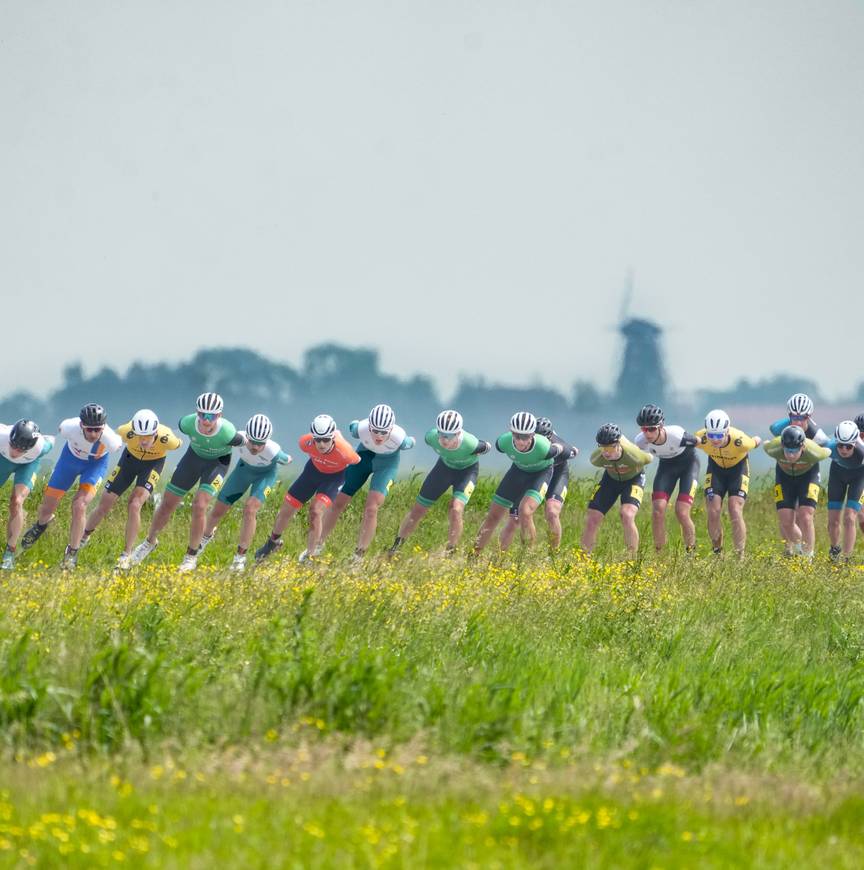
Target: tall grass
[(527, 659), (693, 659)]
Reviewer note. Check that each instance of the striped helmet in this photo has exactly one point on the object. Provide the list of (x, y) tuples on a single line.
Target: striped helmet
[(323, 426), (449, 422), (801, 405), (382, 418), (145, 422), (259, 428), (846, 432), (523, 423), (209, 403)]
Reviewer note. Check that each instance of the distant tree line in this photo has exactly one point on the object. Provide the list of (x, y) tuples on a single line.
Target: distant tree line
[(346, 382)]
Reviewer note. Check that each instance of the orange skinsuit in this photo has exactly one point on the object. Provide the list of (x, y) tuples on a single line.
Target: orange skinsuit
[(338, 459)]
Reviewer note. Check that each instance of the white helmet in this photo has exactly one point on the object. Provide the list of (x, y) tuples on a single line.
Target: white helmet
[(717, 422), (523, 423), (323, 426), (259, 428), (145, 422), (846, 432), (801, 405), (449, 422), (382, 418), (209, 403)]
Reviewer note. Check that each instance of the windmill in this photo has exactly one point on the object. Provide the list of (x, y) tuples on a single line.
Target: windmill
[(643, 376)]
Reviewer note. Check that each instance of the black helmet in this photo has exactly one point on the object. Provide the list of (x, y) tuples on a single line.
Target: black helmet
[(859, 422), (24, 435), (792, 437), (93, 415), (608, 433), (650, 415), (544, 427)]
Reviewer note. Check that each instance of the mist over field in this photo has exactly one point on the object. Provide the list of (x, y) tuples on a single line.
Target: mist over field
[(346, 382)]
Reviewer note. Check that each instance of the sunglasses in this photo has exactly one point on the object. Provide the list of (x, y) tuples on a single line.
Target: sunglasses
[(650, 428), (379, 431), (208, 417), (799, 417), (845, 446), (716, 436), (92, 428), (322, 440)]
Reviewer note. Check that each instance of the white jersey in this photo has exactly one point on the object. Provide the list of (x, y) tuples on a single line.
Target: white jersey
[(393, 444), (259, 460), (669, 449), (821, 438), (81, 448), (43, 445)]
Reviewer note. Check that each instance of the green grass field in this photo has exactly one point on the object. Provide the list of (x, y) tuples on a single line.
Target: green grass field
[(517, 711)]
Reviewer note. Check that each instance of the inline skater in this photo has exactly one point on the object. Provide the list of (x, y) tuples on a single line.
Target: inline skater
[(147, 442), (796, 487), (381, 442), (525, 483), (457, 467), (799, 412), (22, 447), (89, 441), (623, 479), (556, 494), (211, 438), (845, 485), (322, 476), (678, 466), (258, 463), (728, 473), (859, 422)]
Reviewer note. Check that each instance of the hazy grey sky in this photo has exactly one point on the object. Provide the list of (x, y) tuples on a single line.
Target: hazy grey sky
[(461, 184)]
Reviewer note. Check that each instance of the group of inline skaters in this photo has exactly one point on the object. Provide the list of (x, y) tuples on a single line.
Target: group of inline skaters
[(335, 472)]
